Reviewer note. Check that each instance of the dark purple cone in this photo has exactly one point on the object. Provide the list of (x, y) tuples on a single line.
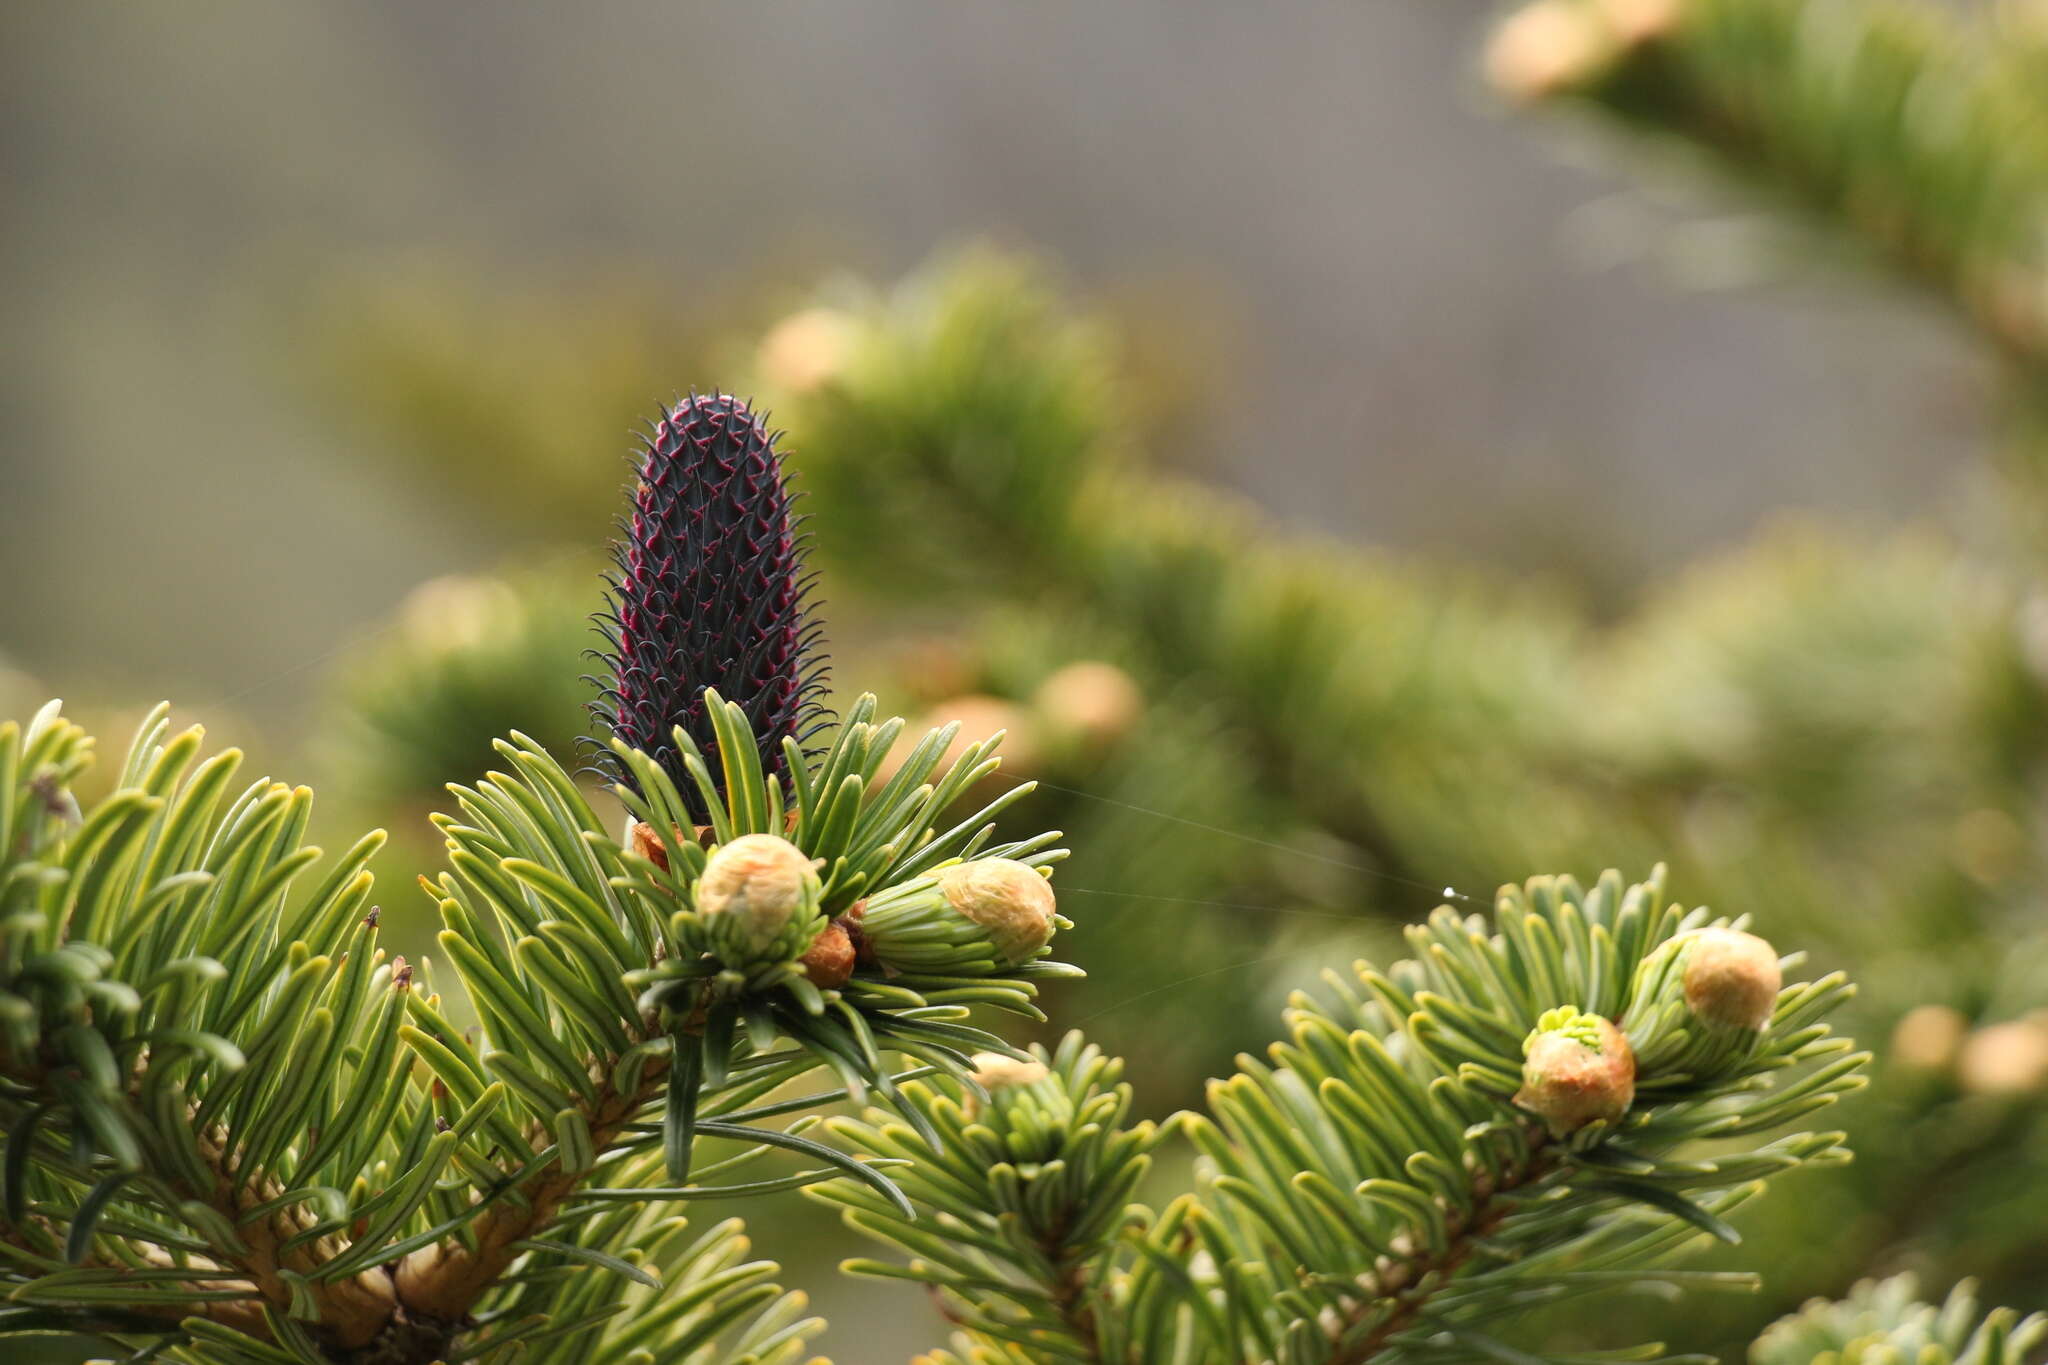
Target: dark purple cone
[(710, 592)]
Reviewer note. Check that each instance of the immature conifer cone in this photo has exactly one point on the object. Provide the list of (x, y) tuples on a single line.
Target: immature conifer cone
[(710, 591)]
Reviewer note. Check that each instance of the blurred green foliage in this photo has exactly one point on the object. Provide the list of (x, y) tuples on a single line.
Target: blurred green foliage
[(505, 390), (469, 657), (1884, 1322), (1920, 131)]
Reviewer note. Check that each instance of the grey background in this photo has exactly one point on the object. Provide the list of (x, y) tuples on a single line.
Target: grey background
[(1364, 242)]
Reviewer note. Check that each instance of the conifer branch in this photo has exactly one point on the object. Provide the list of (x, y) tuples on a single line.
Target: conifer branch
[(1883, 1320), (1919, 137), (230, 1116), (1020, 1184), (1512, 1118)]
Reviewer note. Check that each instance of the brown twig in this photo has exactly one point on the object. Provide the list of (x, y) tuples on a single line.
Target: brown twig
[(444, 1281), (1412, 1281)]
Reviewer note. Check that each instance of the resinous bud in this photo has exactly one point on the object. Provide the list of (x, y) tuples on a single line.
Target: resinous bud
[(830, 959)]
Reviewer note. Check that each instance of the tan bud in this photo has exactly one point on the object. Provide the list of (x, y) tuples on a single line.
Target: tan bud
[(2005, 1059), (995, 1073), (1011, 902), (1095, 702), (1575, 1075), (1732, 979), (828, 962), (1547, 48), (763, 883), (1928, 1037), (806, 349)]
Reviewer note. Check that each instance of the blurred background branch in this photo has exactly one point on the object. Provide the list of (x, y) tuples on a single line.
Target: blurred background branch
[(1921, 137)]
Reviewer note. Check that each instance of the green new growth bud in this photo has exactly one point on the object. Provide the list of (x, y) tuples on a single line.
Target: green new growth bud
[(759, 899), (969, 919), (1579, 1068), (1732, 979)]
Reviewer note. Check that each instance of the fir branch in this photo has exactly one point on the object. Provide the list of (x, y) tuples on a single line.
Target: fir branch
[(446, 1279), (234, 1124), (1435, 1147), (1919, 137), (1021, 1177), (514, 870), (1882, 1320)]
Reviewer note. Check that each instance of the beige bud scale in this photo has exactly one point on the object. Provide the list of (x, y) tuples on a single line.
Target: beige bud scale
[(754, 890), (1732, 979), (976, 918), (1010, 901)]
